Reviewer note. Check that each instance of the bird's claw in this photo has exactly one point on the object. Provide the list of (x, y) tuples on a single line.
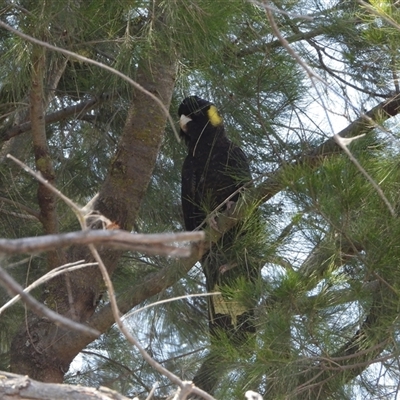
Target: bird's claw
[(226, 267), (213, 223)]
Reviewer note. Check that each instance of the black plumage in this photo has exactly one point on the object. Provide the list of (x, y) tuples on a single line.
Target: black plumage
[(213, 175)]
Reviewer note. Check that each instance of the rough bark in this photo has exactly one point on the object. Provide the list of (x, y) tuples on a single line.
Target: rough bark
[(46, 198)]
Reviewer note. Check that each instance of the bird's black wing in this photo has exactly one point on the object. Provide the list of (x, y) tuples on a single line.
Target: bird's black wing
[(223, 269), (221, 265), (190, 207), (239, 166), (213, 173)]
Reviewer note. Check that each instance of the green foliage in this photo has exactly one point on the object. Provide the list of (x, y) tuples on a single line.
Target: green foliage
[(327, 241)]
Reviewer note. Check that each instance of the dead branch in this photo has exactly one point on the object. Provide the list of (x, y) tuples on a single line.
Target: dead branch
[(15, 387), (116, 239), (14, 288), (50, 275)]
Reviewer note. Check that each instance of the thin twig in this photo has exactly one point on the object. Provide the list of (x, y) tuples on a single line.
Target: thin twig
[(14, 288), (343, 145), (50, 275), (311, 74), (153, 389), (157, 303), (116, 313), (39, 177)]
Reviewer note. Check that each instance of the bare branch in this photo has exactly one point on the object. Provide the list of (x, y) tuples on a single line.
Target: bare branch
[(341, 142), (50, 275), (117, 239), (13, 386), (265, 47), (14, 288), (365, 123), (186, 387), (29, 210)]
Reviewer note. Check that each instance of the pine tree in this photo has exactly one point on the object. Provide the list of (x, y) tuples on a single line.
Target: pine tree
[(327, 305)]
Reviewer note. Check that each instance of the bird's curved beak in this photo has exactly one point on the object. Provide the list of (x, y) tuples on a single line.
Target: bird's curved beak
[(183, 121)]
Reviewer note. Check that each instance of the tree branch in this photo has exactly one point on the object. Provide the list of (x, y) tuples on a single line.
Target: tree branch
[(364, 124), (116, 239), (28, 210), (266, 47), (13, 386), (75, 110)]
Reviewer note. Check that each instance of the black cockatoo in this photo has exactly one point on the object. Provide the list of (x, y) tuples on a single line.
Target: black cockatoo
[(213, 174)]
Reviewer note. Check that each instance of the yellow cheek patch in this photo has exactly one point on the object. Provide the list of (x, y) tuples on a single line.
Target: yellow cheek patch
[(213, 116)]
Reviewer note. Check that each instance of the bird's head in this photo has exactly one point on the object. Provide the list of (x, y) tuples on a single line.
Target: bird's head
[(195, 116)]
